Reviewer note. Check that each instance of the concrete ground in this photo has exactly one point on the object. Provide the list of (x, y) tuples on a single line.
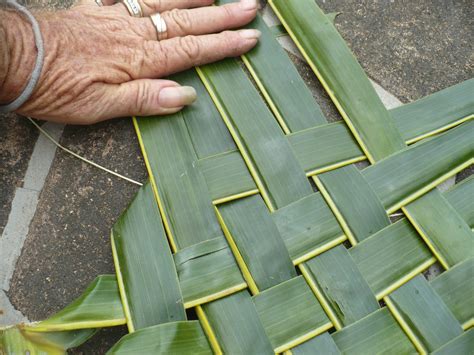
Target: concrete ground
[(58, 211)]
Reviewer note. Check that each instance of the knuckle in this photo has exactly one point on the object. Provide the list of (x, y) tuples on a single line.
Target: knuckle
[(143, 98), (142, 28), (227, 12), (136, 60), (190, 47), (181, 19), (153, 5), (164, 56)]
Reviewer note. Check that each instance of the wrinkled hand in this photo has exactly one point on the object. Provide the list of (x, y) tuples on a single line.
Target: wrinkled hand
[(102, 63)]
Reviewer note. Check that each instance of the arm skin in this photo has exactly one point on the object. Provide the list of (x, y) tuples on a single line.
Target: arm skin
[(101, 63), (17, 54)]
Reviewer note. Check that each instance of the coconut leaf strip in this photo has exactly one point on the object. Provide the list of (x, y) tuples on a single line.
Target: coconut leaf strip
[(285, 91), (308, 227), (236, 325), (455, 288), (180, 188), (266, 151), (258, 241), (209, 263), (15, 340), (435, 112), (341, 75), (463, 344), (325, 147), (373, 334), (444, 231), (168, 338), (347, 304), (461, 198), (207, 131), (226, 176), (147, 270), (290, 314), (323, 344), (391, 257), (98, 306), (423, 314), (406, 175), (211, 336), (357, 207)]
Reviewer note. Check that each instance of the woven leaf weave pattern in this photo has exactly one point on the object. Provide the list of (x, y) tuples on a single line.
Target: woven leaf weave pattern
[(270, 265)]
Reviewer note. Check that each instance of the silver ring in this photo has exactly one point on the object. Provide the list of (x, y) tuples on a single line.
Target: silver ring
[(133, 7), (160, 25), (99, 3)]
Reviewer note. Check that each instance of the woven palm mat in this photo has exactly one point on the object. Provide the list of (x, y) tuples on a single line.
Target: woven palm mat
[(256, 233)]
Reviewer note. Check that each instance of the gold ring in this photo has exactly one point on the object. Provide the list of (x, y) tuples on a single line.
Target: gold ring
[(133, 7), (160, 25)]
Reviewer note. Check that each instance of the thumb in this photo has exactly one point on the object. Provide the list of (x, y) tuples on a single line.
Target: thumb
[(147, 97)]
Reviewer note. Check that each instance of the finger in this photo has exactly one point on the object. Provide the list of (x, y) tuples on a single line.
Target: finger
[(210, 19), (181, 53), (94, 2), (146, 97), (150, 7)]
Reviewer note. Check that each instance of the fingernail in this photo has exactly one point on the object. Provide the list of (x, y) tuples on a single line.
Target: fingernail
[(248, 4), (250, 34), (176, 96)]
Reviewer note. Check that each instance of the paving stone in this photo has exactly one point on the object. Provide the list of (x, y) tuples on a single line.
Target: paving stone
[(17, 140)]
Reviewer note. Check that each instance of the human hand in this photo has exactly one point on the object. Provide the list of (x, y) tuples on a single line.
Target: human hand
[(102, 63)]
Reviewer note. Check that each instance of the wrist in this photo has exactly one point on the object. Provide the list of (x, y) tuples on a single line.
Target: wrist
[(4, 57), (17, 54)]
